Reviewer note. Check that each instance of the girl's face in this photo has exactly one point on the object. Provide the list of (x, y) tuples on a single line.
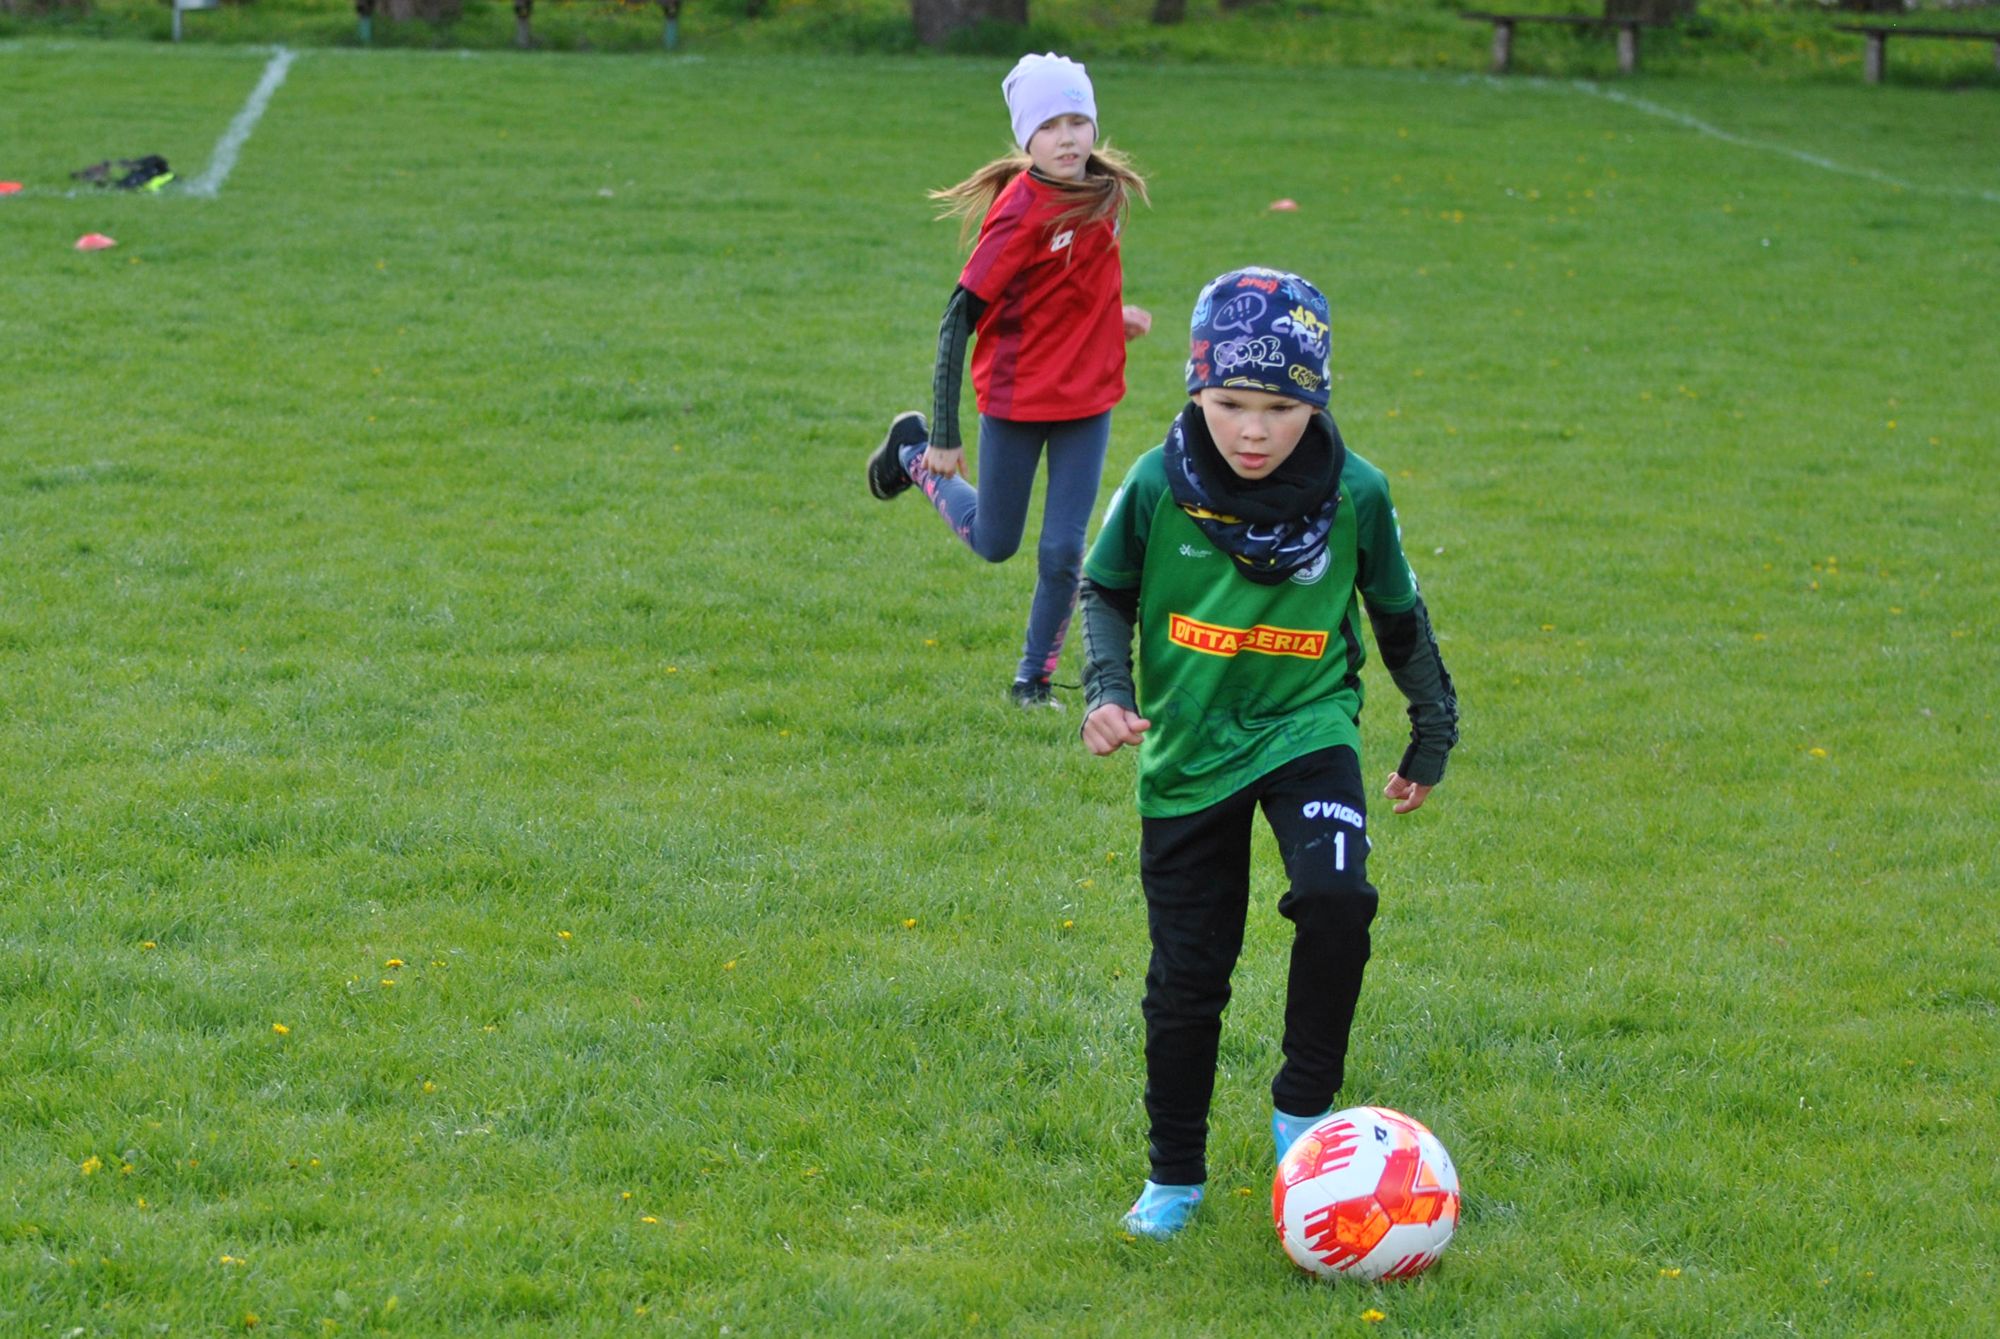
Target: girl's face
[(1062, 146), (1256, 431)]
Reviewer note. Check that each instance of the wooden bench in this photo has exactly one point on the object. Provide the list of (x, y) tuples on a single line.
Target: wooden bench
[(1503, 34), (1880, 33)]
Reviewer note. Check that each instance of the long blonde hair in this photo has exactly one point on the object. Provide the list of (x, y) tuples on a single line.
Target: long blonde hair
[(1105, 193)]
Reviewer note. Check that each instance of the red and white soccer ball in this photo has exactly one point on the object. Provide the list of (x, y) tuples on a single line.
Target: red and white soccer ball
[(1367, 1193)]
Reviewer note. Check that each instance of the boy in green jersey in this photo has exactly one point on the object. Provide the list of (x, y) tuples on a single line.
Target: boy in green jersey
[(1241, 550)]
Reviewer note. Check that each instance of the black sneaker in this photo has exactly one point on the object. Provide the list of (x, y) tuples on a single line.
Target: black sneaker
[(886, 475), (1033, 693)]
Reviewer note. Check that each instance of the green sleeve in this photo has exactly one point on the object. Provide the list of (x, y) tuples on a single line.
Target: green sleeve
[(1118, 557), (1382, 573)]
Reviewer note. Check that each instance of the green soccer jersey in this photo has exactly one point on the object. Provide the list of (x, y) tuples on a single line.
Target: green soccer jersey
[(1240, 678)]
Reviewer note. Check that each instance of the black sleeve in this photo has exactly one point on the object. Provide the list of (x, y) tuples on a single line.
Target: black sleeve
[(1109, 614), (961, 314), (1410, 653)]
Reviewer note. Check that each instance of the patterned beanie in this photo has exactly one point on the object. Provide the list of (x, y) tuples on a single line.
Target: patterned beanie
[(1261, 330), (1040, 88)]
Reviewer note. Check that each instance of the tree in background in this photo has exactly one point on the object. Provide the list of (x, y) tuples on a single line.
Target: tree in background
[(937, 20)]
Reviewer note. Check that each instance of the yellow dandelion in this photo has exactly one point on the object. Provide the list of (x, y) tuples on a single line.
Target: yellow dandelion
[(1548, 627), (649, 1219), (1069, 925), (812, 1171), (626, 1196), (230, 1260), (562, 934), (1670, 1273), (125, 1169), (143, 1204), (1086, 883), (281, 1029), (430, 1087), (149, 944), (674, 669), (91, 1165), (393, 962), (387, 982), (1817, 752), (1373, 1317), (250, 1321), (910, 923), (729, 966), (1245, 1191), (312, 1162)]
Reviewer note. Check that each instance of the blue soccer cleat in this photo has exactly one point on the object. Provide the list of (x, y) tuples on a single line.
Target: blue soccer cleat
[(1161, 1211), (1285, 1130)]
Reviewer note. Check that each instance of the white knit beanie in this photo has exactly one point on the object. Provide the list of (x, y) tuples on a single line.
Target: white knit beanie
[(1041, 88)]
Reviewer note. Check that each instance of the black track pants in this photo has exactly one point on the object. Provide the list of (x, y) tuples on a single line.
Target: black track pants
[(1196, 871)]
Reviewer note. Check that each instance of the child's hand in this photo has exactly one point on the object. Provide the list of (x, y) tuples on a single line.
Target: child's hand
[(1137, 322), (1111, 727), (945, 464), (1407, 794)]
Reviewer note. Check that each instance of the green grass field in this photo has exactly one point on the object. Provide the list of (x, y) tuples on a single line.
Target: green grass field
[(500, 835)]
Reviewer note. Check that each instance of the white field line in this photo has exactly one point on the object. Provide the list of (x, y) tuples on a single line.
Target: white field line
[(223, 160), (1763, 146)]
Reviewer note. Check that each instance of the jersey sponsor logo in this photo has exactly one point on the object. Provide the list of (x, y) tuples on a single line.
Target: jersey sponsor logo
[(1213, 639), (1063, 239), (1190, 551)]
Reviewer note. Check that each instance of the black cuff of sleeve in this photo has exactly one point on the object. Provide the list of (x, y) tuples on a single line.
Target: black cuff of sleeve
[(1421, 765)]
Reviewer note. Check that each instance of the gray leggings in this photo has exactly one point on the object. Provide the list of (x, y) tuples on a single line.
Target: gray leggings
[(991, 518)]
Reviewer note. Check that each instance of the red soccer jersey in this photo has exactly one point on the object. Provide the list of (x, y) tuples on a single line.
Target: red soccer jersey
[(1051, 343)]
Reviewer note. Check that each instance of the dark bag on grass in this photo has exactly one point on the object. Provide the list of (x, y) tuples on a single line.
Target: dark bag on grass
[(128, 174)]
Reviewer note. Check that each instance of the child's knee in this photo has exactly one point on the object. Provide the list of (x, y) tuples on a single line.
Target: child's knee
[(1331, 898), (1059, 562)]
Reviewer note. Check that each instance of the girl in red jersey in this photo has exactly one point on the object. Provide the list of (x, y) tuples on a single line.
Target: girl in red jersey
[(1043, 293)]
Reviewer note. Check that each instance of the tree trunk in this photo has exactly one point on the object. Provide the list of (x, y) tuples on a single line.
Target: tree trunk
[(1169, 11), (936, 20), (524, 13)]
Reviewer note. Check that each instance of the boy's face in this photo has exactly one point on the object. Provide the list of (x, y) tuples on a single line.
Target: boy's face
[(1256, 431), (1061, 148)]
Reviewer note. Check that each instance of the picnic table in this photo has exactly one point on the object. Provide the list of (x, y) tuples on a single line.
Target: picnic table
[(1878, 34), (1627, 28)]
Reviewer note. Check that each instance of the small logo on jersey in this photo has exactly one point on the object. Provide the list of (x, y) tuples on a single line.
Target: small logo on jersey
[(1063, 239), (1190, 551), (1314, 570), (1214, 639)]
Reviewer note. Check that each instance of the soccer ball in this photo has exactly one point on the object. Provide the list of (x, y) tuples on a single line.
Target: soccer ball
[(1367, 1193)]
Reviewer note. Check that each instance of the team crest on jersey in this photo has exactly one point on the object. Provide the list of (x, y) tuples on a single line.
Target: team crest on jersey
[(1063, 239), (1314, 570)]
